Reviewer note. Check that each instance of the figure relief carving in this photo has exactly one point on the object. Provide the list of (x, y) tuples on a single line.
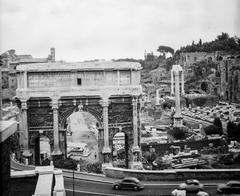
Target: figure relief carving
[(120, 113), (40, 117), (24, 105)]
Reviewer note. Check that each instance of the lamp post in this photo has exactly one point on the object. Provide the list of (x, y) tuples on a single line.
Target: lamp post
[(73, 184), (1, 64)]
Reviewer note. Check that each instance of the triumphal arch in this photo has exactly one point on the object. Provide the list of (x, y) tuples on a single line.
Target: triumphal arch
[(49, 93)]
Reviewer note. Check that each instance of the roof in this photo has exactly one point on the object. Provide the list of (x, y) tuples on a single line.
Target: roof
[(25, 56), (35, 60), (131, 178), (67, 66)]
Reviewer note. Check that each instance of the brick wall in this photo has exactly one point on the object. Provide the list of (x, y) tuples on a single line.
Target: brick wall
[(5, 168)]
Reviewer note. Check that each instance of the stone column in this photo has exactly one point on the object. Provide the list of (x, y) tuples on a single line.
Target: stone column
[(135, 163), (25, 79), (106, 149), (56, 150), (24, 124), (177, 116), (172, 89), (24, 134), (183, 92), (157, 97), (177, 94), (135, 125)]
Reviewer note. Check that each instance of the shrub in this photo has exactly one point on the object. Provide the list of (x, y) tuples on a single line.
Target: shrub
[(62, 163), (46, 162), (94, 167), (218, 123), (237, 159), (150, 156), (178, 133), (213, 129)]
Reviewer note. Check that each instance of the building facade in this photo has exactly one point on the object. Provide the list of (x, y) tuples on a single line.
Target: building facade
[(10, 62), (215, 73)]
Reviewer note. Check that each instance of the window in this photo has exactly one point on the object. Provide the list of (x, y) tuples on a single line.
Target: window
[(79, 81)]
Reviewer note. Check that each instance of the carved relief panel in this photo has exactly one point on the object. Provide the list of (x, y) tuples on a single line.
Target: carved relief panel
[(120, 112), (51, 79), (40, 117)]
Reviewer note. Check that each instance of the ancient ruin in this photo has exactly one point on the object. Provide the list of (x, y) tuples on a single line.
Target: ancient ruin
[(49, 93)]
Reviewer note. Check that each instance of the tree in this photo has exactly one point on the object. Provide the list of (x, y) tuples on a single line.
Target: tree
[(200, 43), (213, 129), (222, 37), (165, 49), (178, 133), (218, 123)]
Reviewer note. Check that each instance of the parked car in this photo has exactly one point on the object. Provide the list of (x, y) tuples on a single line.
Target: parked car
[(229, 187), (191, 185), (128, 183)]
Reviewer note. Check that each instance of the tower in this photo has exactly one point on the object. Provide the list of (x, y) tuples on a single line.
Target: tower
[(53, 54)]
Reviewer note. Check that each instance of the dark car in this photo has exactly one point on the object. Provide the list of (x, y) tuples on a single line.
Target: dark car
[(128, 183), (191, 185), (230, 187)]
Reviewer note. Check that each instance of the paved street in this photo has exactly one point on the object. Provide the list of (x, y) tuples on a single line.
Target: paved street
[(82, 134)]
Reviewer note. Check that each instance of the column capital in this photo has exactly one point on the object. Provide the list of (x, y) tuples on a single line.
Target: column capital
[(55, 106), (104, 102), (55, 102)]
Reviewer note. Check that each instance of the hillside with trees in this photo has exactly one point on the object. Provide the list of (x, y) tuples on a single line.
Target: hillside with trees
[(167, 56)]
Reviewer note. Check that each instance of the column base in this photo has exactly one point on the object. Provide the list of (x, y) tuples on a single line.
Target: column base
[(106, 150), (56, 151), (135, 149), (136, 165), (27, 153), (105, 165), (178, 122)]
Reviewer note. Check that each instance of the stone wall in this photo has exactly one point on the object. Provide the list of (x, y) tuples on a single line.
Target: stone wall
[(182, 174), (7, 128), (5, 179), (202, 101)]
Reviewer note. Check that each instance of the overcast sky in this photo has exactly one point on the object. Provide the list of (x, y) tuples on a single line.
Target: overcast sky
[(111, 29)]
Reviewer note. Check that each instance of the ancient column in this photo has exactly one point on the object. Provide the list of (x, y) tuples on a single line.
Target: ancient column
[(135, 146), (177, 93), (106, 150), (157, 97), (24, 130), (172, 90), (183, 92), (56, 150), (25, 79), (177, 116)]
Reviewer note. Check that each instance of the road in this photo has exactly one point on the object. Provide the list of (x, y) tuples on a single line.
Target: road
[(97, 184), (82, 187)]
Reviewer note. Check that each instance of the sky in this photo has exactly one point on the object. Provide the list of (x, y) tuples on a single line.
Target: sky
[(82, 30)]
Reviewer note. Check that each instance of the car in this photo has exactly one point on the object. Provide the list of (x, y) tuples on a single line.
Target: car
[(128, 183), (191, 185), (229, 187)]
